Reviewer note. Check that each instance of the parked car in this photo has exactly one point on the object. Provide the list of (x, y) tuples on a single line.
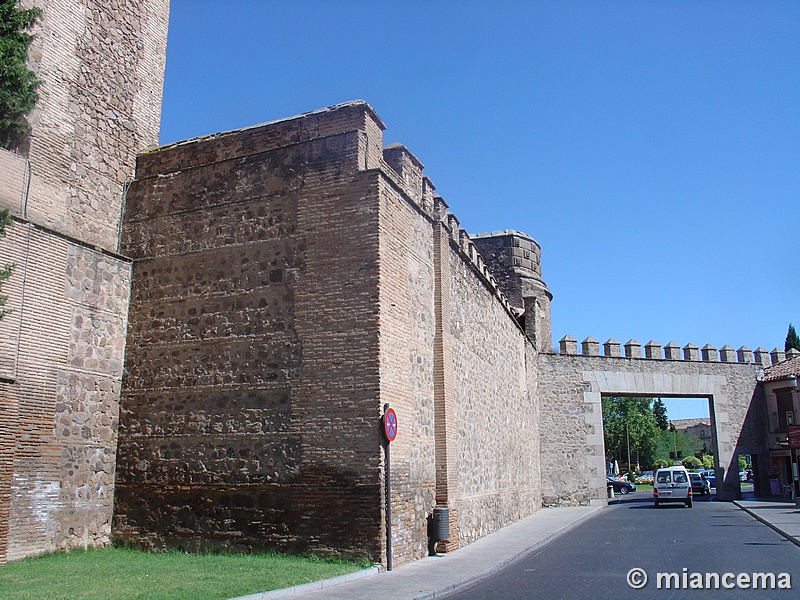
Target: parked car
[(645, 477), (710, 476), (700, 484), (621, 486), (672, 485)]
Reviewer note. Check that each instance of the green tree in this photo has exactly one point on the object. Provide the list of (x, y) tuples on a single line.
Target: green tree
[(17, 83), (660, 412), (677, 444), (5, 272), (628, 422), (691, 462), (792, 339)]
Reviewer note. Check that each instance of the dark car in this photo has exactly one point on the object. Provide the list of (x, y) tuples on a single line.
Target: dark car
[(621, 486), (710, 476), (700, 484)]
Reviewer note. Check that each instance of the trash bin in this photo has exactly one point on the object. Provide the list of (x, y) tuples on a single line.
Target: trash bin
[(441, 523)]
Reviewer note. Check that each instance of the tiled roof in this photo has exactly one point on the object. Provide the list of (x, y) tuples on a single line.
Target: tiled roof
[(783, 370), (686, 423)]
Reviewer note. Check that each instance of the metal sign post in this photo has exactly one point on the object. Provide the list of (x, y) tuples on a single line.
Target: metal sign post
[(390, 433)]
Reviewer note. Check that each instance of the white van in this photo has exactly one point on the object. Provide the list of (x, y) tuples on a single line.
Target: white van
[(672, 484)]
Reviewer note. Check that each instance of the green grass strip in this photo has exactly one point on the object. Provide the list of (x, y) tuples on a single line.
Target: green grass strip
[(121, 574)]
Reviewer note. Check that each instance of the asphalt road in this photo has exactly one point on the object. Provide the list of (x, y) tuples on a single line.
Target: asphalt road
[(593, 560)]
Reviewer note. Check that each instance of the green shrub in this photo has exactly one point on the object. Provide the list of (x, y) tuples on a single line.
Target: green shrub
[(18, 84)]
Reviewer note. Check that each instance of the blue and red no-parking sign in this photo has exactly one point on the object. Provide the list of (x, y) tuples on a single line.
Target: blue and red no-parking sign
[(390, 424)]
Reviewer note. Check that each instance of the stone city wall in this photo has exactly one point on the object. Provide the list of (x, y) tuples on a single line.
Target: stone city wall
[(263, 349), (250, 413), (496, 430), (60, 401), (101, 68), (571, 386)]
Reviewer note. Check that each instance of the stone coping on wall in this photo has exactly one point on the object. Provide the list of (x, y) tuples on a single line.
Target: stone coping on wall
[(671, 351)]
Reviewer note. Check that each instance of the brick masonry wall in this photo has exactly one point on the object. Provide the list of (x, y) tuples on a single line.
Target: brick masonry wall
[(407, 331), (284, 292), (250, 413), (496, 433)]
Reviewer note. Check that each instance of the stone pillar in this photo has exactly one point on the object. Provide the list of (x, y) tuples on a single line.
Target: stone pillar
[(691, 352), (444, 386), (709, 353), (590, 347), (568, 345), (633, 349), (652, 349), (537, 322), (792, 353), (611, 347), (744, 355), (672, 351)]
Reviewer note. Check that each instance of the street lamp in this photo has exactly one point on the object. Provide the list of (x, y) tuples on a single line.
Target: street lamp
[(628, 439)]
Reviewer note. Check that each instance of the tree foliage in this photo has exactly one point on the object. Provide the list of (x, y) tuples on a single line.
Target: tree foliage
[(792, 339), (629, 422), (660, 412), (5, 271), (679, 443), (17, 83)]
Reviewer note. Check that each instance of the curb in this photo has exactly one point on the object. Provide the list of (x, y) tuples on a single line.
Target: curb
[(313, 586), (755, 515), (444, 591)]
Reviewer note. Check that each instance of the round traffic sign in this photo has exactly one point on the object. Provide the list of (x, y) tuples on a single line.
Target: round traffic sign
[(390, 424)]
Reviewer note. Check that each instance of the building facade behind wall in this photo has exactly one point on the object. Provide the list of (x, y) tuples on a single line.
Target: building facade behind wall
[(61, 349), (290, 281)]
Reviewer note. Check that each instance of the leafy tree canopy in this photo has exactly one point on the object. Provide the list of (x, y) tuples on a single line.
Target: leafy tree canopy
[(17, 83), (629, 422)]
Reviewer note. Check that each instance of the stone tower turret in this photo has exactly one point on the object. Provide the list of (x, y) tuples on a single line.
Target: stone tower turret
[(514, 258)]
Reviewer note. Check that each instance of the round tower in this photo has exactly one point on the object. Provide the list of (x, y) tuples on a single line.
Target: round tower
[(514, 258)]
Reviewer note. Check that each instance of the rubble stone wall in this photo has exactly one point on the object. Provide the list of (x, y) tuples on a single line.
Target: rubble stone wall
[(250, 413), (60, 402), (496, 432), (101, 67)]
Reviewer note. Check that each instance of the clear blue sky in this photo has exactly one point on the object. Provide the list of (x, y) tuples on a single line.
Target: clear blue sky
[(686, 408), (652, 148)]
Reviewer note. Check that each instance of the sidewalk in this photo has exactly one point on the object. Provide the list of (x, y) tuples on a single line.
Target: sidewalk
[(433, 576), (782, 516)]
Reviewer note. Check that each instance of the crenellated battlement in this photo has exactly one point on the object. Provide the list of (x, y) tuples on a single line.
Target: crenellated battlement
[(671, 351)]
